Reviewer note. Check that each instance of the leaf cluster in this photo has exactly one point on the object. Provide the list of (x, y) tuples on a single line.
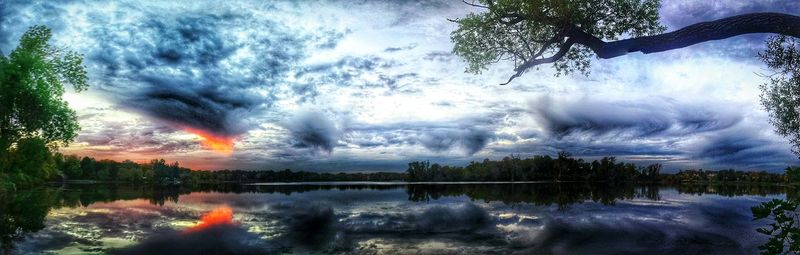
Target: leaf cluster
[(32, 84), (525, 30), (784, 231), (780, 96)]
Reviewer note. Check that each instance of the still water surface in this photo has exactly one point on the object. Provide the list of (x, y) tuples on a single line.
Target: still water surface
[(384, 218)]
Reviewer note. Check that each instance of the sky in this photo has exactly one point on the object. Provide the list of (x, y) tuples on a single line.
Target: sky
[(373, 85)]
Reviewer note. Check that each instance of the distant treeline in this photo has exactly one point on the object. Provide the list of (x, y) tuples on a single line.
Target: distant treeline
[(563, 167), (566, 168), (159, 171)]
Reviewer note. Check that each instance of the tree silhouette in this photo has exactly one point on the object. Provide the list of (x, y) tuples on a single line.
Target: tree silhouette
[(566, 33)]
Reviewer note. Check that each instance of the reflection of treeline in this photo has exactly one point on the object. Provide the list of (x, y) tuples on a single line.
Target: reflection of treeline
[(25, 211), (86, 194), (564, 194), (566, 168), (733, 189), (561, 194), (729, 175)]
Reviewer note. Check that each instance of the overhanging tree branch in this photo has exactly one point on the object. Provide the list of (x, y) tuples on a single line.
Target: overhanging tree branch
[(775, 23), (534, 62)]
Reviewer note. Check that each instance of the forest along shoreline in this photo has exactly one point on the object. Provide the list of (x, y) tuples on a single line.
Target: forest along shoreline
[(563, 168)]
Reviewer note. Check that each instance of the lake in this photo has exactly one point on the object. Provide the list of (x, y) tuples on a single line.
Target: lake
[(384, 218)]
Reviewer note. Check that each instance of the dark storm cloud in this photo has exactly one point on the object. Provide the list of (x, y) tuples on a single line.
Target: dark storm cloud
[(590, 127), (598, 148), (744, 148), (313, 130), (467, 134), (196, 69), (207, 108), (636, 119), (475, 140), (438, 141), (597, 128), (471, 140)]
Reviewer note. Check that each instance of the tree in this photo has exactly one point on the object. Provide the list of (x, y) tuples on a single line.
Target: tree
[(89, 167), (784, 231), (72, 167), (32, 158), (793, 174), (130, 171), (779, 95), (32, 80), (566, 33)]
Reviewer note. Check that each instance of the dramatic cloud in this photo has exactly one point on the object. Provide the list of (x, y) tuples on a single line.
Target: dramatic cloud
[(313, 130), (732, 149), (638, 119), (209, 108), (174, 79), (471, 140), (198, 70)]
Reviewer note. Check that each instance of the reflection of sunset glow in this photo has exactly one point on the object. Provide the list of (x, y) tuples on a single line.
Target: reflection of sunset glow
[(216, 143), (219, 216)]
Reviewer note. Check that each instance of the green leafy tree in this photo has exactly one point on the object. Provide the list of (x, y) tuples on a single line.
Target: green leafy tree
[(779, 95), (567, 34), (72, 167), (783, 229), (32, 159), (130, 171), (793, 174), (32, 81), (89, 168)]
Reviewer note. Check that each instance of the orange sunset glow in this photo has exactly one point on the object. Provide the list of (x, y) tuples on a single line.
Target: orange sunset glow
[(222, 144), (219, 216)]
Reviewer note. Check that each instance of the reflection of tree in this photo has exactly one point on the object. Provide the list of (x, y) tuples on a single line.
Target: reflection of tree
[(565, 194), (561, 194), (732, 190), (22, 213), (25, 212)]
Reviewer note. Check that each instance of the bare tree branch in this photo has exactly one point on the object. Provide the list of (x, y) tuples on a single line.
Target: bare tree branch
[(534, 62), (474, 4)]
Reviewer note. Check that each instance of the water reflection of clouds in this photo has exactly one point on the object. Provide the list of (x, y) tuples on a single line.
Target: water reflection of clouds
[(385, 221)]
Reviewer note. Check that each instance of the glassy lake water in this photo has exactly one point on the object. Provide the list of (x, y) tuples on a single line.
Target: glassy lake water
[(358, 218)]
